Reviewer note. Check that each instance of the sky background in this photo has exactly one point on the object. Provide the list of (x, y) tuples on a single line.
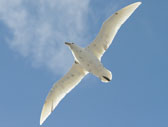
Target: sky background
[(33, 56)]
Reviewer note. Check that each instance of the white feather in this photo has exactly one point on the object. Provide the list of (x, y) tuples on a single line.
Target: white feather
[(110, 28), (88, 60), (61, 88)]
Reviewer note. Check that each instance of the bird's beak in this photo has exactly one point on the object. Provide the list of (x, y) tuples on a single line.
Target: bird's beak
[(67, 43)]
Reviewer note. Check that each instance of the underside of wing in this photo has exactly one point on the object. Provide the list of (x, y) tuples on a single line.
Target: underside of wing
[(60, 89), (110, 28)]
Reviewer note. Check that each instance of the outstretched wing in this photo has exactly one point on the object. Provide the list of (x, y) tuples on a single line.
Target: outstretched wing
[(110, 28), (61, 88)]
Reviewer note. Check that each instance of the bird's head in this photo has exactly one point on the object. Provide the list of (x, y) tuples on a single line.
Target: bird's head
[(69, 43)]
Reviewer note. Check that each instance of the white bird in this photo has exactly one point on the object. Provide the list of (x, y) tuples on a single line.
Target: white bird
[(87, 60)]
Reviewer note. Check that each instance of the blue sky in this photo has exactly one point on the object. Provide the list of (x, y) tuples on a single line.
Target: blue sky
[(33, 56)]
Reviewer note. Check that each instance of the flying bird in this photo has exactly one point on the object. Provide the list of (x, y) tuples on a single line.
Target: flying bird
[(87, 60)]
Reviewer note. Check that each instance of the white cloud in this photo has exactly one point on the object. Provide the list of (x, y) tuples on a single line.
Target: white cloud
[(40, 28)]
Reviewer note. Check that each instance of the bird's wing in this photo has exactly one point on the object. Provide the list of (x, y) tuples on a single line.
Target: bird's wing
[(61, 88), (110, 28)]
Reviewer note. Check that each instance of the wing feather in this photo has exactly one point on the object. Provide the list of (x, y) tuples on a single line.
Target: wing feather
[(110, 28), (60, 89)]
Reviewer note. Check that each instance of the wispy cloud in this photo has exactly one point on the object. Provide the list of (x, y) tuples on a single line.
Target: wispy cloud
[(40, 28)]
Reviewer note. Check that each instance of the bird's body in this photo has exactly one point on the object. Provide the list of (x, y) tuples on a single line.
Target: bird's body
[(87, 60), (90, 62)]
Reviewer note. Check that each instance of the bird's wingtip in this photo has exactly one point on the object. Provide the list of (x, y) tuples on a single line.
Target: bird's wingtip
[(42, 118), (138, 3), (41, 122), (133, 5)]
